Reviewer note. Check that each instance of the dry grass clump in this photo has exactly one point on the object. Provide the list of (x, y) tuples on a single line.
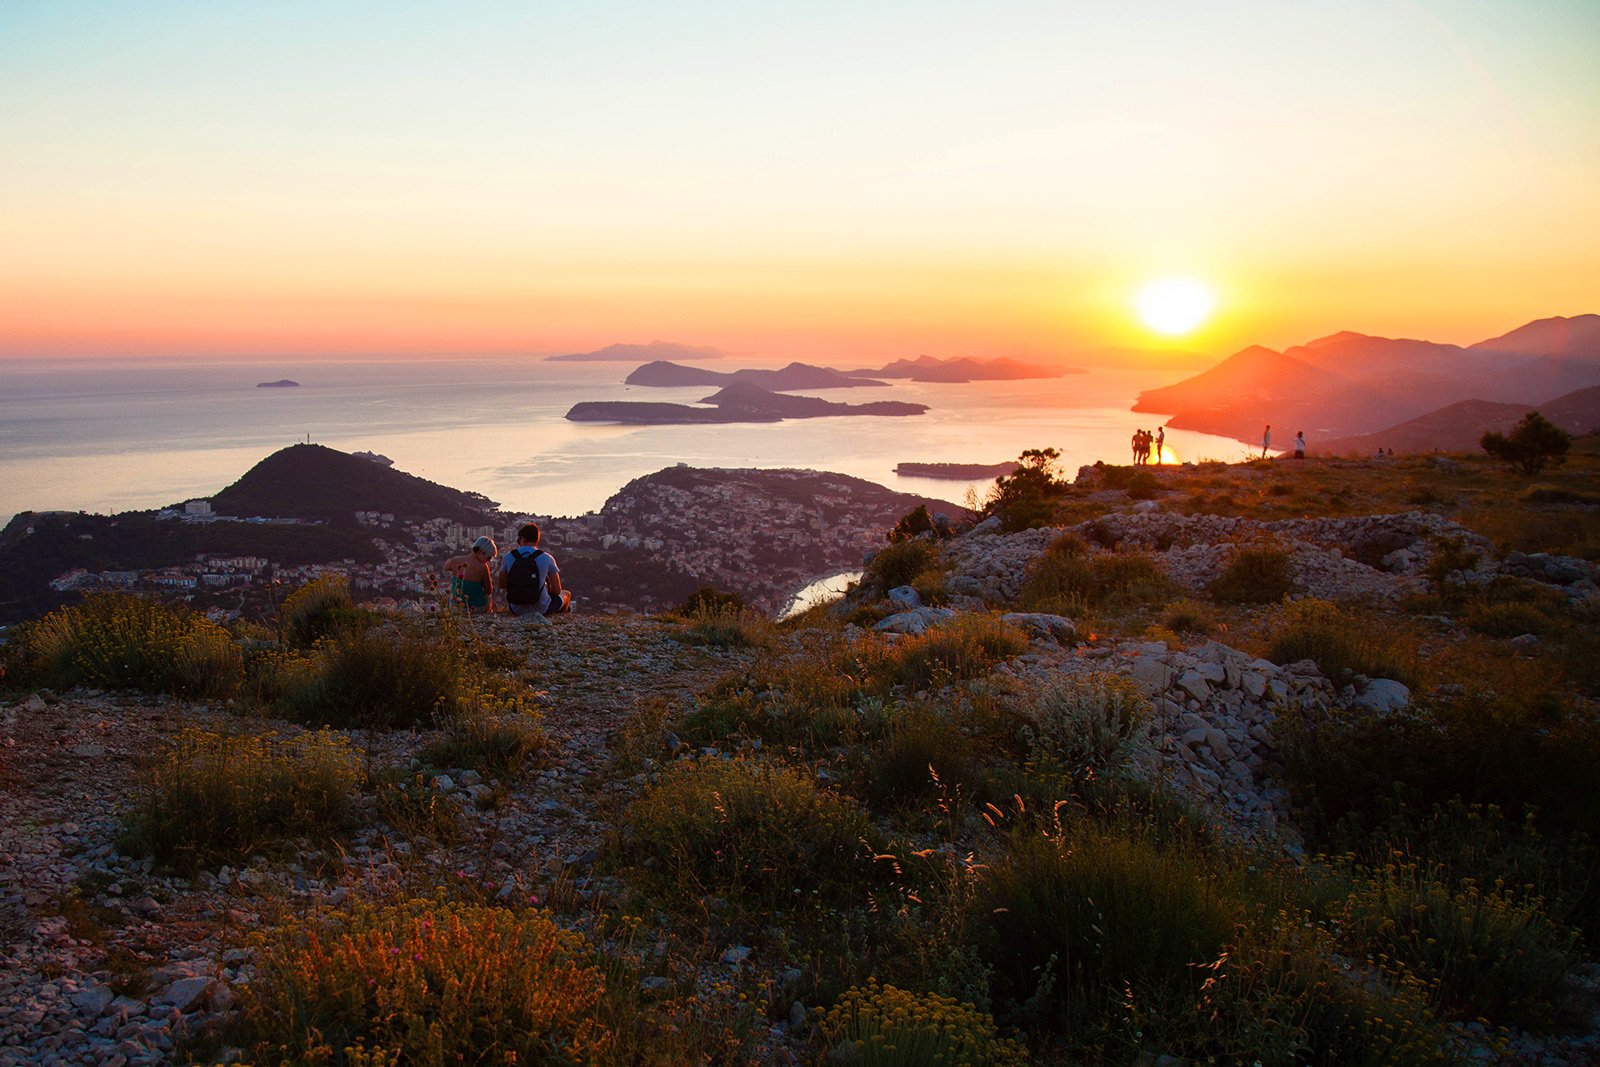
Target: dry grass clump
[(1344, 642), (1083, 922), (497, 744), (882, 1026), (217, 796), (921, 752), (1255, 574), (1189, 617), (747, 831), (128, 642), (967, 646), (425, 983), (726, 625)]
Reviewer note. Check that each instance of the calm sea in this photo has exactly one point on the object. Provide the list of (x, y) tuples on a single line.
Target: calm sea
[(103, 436)]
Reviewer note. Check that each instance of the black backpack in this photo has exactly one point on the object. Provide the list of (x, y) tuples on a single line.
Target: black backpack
[(522, 580)]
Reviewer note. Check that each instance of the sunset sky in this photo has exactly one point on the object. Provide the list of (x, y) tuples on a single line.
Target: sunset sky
[(813, 180)]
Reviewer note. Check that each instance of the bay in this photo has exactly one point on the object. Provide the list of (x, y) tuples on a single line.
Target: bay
[(104, 436)]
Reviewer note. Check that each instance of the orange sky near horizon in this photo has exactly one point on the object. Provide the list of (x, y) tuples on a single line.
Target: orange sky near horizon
[(825, 183)]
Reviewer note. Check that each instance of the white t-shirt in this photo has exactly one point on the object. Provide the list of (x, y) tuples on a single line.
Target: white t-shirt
[(544, 565)]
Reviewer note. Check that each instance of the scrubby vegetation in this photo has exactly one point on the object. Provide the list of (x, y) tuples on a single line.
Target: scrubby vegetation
[(948, 846)]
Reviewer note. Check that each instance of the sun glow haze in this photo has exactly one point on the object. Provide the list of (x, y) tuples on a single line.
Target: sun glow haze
[(1176, 305), (819, 181)]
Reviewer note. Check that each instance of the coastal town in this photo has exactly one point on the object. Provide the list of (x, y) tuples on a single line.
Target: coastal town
[(762, 534)]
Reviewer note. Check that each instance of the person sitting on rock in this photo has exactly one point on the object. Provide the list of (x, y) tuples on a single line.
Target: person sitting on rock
[(471, 580), (531, 579)]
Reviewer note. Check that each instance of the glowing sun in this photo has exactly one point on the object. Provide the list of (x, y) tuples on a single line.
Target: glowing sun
[(1175, 306)]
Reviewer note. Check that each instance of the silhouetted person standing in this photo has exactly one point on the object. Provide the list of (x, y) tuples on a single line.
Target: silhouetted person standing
[(1266, 440), (1300, 444), (1161, 442)]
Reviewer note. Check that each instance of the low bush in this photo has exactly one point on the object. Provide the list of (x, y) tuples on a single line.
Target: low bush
[(967, 646), (425, 983), (1084, 922), (378, 680), (1084, 725), (728, 627), (900, 563), (1541, 756), (321, 608), (1255, 574), (1486, 953), (498, 745), (1189, 617), (882, 1026), (1343, 642), (1506, 620), (748, 831), (1069, 578), (127, 642), (416, 808), (219, 796)]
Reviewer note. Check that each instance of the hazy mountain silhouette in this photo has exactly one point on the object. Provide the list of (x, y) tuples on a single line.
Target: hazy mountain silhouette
[(1347, 385), (1459, 427), (621, 353), (793, 376), (1577, 337), (965, 369)]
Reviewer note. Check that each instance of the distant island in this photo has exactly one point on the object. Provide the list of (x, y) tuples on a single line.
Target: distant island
[(963, 369), (961, 472), (739, 402), (281, 383), (663, 373), (629, 353)]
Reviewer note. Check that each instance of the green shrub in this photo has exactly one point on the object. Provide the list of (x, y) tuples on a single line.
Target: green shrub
[(1069, 578), (1142, 485), (219, 797), (746, 830), (1081, 923), (1485, 952), (1342, 642), (425, 983), (1085, 724), (882, 1026), (900, 563), (728, 627), (1255, 574), (127, 642), (1506, 620), (1539, 755), (321, 608), (379, 680), (1189, 617)]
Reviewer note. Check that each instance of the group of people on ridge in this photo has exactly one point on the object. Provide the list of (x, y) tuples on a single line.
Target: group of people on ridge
[(525, 581), (1143, 443)]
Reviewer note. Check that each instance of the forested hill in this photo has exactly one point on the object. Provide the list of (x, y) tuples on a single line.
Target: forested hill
[(314, 482)]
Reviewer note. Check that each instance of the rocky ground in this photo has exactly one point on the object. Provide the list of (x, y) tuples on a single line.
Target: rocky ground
[(105, 959)]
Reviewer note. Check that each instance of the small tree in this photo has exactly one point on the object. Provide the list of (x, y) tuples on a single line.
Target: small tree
[(1027, 497), (1533, 444)]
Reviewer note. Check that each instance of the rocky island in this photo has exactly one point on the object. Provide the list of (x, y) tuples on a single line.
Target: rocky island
[(959, 472), (739, 402), (281, 383)]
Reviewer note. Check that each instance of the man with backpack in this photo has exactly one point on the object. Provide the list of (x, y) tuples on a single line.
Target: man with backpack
[(531, 579)]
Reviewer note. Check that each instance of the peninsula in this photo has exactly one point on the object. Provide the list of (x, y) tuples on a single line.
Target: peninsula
[(960, 472), (629, 353)]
